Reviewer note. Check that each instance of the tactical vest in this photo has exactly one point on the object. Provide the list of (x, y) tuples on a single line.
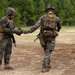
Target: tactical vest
[(49, 26), (49, 23), (11, 23), (8, 23)]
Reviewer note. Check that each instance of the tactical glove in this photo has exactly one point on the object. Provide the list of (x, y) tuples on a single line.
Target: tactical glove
[(30, 31), (26, 31), (18, 32)]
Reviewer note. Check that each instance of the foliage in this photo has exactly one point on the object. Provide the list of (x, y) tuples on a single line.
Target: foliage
[(29, 11)]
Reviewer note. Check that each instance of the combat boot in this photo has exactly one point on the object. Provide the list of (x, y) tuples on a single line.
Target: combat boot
[(45, 70), (49, 67), (8, 67)]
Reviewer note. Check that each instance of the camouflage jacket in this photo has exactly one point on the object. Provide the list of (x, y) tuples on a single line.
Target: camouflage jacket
[(39, 24), (6, 25)]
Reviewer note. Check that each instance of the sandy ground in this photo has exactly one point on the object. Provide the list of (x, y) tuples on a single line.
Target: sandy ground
[(27, 57)]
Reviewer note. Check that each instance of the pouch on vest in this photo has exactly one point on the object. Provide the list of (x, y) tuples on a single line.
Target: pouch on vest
[(50, 33), (55, 33), (49, 22), (41, 38)]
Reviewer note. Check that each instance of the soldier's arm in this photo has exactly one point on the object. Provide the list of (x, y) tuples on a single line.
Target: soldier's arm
[(3, 25), (58, 24), (36, 26), (6, 29), (18, 31)]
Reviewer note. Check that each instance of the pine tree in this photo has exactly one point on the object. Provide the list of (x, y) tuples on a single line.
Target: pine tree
[(3, 7), (39, 8), (67, 7), (47, 2), (26, 9)]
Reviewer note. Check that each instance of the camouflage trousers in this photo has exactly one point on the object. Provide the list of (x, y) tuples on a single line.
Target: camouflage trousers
[(5, 50), (48, 48)]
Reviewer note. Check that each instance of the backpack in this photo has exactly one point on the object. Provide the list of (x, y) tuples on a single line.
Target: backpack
[(49, 26), (49, 23)]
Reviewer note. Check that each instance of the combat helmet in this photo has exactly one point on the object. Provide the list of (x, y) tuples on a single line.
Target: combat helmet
[(10, 11), (49, 8)]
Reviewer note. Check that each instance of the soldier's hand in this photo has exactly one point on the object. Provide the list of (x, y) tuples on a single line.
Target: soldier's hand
[(18, 31), (26, 32), (30, 31)]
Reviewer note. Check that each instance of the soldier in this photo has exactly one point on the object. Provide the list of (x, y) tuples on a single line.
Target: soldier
[(49, 27), (7, 28)]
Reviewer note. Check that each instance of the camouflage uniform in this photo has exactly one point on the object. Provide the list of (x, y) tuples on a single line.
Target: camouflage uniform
[(8, 26), (49, 41), (5, 43)]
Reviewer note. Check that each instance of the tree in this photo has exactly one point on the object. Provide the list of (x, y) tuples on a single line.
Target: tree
[(3, 7), (39, 8), (67, 7), (65, 10), (26, 9), (47, 2)]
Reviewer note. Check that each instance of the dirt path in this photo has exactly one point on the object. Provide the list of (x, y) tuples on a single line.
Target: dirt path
[(27, 57)]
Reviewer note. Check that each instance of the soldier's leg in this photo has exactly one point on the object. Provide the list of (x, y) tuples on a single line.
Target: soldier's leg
[(7, 55), (1, 53), (48, 50), (2, 49)]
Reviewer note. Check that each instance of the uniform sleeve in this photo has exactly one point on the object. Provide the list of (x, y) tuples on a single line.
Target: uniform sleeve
[(58, 24), (36, 26), (4, 24)]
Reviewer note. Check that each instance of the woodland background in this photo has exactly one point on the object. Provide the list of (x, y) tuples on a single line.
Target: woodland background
[(29, 11)]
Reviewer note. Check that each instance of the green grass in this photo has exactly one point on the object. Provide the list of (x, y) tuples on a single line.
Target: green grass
[(68, 27), (63, 27)]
